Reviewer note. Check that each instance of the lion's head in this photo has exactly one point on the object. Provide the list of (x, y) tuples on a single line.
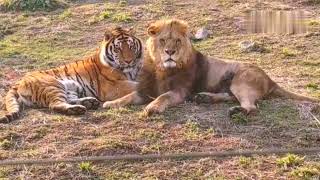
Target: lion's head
[(169, 45)]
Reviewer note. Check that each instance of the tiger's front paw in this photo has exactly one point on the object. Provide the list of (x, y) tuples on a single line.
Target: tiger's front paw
[(154, 107), (111, 104)]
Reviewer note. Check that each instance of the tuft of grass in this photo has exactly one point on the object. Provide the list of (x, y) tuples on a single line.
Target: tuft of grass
[(41, 132), (105, 15), (120, 174), (122, 17), (313, 23), (65, 15), (4, 173), (86, 167), (286, 52), (312, 86), (150, 135), (59, 118), (306, 172), (191, 130), (290, 160), (239, 118), (123, 3), (152, 148), (6, 144), (30, 5), (38, 52), (245, 161)]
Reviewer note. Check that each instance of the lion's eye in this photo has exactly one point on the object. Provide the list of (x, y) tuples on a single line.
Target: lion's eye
[(162, 41), (178, 41)]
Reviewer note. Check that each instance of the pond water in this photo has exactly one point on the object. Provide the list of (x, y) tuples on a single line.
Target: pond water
[(276, 21)]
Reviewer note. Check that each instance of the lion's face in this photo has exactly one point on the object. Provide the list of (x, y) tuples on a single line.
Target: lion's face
[(169, 43)]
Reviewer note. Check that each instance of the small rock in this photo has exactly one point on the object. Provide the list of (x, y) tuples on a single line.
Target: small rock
[(201, 34), (250, 46)]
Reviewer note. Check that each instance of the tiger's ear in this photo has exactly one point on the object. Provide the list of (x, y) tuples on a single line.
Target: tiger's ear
[(107, 34), (131, 31), (153, 30)]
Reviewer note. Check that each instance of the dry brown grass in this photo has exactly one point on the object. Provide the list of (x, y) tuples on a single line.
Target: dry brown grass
[(41, 40)]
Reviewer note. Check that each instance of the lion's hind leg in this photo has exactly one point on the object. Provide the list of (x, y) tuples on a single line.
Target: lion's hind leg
[(207, 97), (248, 97)]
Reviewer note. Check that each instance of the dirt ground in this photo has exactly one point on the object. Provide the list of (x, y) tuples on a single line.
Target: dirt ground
[(40, 40)]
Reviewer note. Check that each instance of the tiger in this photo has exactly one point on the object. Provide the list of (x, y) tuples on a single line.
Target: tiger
[(74, 88)]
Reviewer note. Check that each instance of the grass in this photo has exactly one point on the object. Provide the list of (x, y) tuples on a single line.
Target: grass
[(290, 160), (306, 172), (192, 130), (6, 144), (314, 23), (31, 5), (115, 12), (312, 86), (65, 15), (245, 161), (38, 51), (86, 167), (36, 40), (240, 118), (286, 52)]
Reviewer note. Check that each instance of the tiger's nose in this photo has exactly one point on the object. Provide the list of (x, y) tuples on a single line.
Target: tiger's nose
[(169, 52)]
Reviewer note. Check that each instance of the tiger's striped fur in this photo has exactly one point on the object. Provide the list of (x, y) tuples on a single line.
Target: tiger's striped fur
[(73, 88)]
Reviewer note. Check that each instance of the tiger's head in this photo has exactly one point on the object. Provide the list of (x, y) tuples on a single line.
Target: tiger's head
[(121, 50)]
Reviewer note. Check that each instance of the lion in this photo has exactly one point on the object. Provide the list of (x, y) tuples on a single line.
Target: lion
[(174, 70)]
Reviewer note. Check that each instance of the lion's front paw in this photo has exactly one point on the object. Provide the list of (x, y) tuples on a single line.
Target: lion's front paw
[(153, 108), (111, 104)]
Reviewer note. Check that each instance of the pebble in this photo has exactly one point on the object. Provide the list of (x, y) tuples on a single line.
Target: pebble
[(201, 34), (250, 46)]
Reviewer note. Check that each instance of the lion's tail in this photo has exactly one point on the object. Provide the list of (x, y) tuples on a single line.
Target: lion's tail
[(12, 106), (279, 91)]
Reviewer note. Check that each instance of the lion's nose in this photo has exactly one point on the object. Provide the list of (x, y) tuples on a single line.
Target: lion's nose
[(169, 52)]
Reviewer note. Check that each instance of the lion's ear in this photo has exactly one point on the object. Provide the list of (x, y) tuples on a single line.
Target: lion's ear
[(153, 30)]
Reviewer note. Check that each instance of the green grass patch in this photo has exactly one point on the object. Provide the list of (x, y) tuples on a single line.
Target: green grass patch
[(314, 23), (286, 52), (122, 17), (121, 174), (306, 172), (279, 114), (4, 173), (204, 45), (123, 3), (245, 162), (31, 5), (114, 12), (65, 15), (6, 144), (105, 15), (192, 131), (240, 118), (312, 86), (290, 160), (149, 134), (86, 167), (38, 52)]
